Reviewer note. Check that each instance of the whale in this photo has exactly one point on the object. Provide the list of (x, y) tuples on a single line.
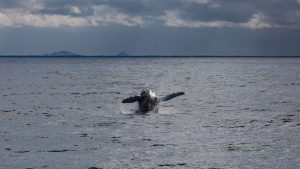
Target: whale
[(148, 102)]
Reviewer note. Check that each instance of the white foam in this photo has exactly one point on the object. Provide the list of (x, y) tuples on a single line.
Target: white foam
[(152, 94)]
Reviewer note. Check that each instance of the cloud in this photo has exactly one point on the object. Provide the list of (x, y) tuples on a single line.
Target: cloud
[(256, 22), (21, 18), (75, 10), (196, 1), (255, 14), (103, 15), (5, 20), (173, 19), (32, 4)]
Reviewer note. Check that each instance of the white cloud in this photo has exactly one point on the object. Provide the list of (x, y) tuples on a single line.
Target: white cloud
[(75, 10), (102, 16), (5, 20), (106, 15), (173, 19), (196, 1), (117, 18), (32, 4), (256, 22), (19, 19)]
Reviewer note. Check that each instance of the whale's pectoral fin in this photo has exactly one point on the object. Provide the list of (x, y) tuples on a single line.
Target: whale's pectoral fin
[(171, 96), (131, 99)]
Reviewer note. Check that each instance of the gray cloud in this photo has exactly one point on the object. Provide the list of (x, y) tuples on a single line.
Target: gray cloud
[(187, 13)]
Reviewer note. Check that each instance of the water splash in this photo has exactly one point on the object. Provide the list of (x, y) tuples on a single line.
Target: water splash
[(152, 94), (127, 109)]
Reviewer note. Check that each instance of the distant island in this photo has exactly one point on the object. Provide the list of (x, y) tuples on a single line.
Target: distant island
[(65, 53), (122, 54), (70, 54), (62, 53)]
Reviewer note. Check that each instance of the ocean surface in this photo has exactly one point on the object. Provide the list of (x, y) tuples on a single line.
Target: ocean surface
[(67, 113)]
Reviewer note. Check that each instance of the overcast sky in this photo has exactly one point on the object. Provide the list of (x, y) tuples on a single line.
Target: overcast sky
[(146, 27)]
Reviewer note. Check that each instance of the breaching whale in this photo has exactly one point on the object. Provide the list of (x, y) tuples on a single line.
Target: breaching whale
[(148, 101)]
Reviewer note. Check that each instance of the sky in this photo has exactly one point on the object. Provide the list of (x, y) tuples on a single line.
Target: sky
[(150, 27)]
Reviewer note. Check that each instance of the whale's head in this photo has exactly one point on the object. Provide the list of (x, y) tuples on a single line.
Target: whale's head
[(148, 102), (147, 93)]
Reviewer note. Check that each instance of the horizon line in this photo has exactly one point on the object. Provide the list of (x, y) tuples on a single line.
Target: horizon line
[(136, 56)]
